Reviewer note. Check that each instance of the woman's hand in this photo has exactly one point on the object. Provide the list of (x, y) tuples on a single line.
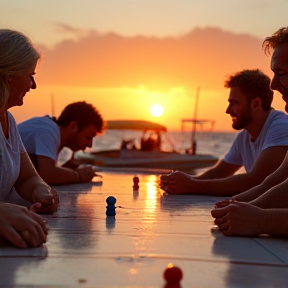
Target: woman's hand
[(22, 227), (47, 197)]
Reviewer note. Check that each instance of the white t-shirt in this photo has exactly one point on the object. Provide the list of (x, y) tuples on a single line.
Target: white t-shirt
[(40, 136), (274, 133), (10, 150)]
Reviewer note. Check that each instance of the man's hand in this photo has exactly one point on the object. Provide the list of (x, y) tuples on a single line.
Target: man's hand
[(86, 174), (238, 218), (22, 227), (177, 182)]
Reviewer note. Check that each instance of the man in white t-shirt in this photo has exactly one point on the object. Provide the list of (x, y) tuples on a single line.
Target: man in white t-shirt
[(262, 209), (260, 147), (44, 137)]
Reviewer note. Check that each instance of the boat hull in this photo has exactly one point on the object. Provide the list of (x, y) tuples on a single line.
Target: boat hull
[(147, 159)]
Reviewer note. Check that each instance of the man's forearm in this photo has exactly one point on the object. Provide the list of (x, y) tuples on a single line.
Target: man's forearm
[(60, 175), (229, 186), (208, 174), (71, 164), (219, 171)]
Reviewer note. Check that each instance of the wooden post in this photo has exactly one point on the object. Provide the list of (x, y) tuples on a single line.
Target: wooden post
[(193, 136)]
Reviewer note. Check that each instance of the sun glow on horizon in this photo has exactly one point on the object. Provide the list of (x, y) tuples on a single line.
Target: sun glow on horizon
[(156, 110)]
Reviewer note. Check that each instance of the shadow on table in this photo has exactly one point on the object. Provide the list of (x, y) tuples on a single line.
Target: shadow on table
[(244, 260), (13, 260), (170, 202), (75, 225), (78, 187), (110, 223)]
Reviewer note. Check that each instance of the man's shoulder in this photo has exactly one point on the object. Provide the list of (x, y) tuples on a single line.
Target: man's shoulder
[(38, 125), (275, 130), (35, 119), (44, 121), (277, 114), (276, 119)]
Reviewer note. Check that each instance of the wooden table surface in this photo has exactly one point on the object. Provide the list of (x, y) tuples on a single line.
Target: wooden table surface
[(87, 249)]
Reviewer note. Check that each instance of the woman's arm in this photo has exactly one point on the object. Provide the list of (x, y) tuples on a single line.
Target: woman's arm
[(31, 187)]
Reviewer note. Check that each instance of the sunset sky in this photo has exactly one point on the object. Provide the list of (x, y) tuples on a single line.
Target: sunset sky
[(126, 55)]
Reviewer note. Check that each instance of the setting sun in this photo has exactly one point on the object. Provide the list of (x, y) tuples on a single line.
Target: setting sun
[(156, 110)]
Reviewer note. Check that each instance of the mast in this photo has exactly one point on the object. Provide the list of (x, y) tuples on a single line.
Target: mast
[(52, 105), (193, 135)]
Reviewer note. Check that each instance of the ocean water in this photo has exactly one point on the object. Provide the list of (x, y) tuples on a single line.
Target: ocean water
[(215, 143)]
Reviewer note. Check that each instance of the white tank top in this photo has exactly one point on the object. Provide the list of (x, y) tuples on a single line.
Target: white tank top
[(10, 150)]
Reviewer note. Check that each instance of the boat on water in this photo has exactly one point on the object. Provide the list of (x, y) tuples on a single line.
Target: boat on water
[(149, 154)]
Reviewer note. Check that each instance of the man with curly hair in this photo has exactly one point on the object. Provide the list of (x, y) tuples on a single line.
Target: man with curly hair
[(44, 137), (264, 208), (263, 139)]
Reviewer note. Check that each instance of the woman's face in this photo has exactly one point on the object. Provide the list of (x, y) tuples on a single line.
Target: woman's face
[(19, 86)]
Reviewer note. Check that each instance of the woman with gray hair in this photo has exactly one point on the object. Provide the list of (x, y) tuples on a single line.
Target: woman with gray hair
[(18, 61)]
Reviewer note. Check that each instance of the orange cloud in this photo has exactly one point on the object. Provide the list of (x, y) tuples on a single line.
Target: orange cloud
[(110, 71), (202, 57)]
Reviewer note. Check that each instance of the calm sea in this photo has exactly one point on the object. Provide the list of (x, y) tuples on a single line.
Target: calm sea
[(207, 142), (214, 143)]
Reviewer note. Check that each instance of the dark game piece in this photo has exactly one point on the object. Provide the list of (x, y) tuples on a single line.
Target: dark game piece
[(136, 182), (110, 208), (173, 276)]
